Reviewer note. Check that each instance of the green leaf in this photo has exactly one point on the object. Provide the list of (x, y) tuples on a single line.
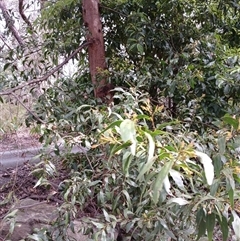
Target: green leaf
[(201, 228), (117, 148), (10, 215), (145, 168), (158, 184), (231, 121), (218, 164), (236, 224), (106, 215), (163, 125), (94, 183), (210, 222), (140, 48), (116, 123), (222, 144), (231, 197), (229, 178), (127, 159), (151, 146), (177, 177), (97, 225), (126, 194), (207, 165), (224, 228), (179, 201), (6, 66), (214, 187), (128, 133), (139, 117)]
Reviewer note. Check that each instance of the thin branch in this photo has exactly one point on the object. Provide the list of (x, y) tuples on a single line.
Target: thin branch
[(5, 43), (24, 106), (46, 76), (25, 19), (113, 10), (9, 22)]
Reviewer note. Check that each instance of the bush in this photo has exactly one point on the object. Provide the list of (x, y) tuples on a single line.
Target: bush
[(148, 180)]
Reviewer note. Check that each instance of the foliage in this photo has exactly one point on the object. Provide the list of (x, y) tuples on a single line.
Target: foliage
[(146, 164), (186, 51), (145, 180)]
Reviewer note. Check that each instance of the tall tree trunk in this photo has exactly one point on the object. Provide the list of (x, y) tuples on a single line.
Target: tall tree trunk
[(96, 50)]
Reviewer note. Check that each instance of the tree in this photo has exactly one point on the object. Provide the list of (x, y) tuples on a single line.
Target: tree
[(142, 172), (96, 50)]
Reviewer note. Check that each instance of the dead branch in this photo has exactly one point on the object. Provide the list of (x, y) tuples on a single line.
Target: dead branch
[(9, 23), (46, 76), (25, 19)]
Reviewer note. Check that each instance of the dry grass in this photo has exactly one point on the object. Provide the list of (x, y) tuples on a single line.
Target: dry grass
[(12, 117)]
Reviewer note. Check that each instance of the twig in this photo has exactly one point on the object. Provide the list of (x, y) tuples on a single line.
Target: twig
[(5, 42), (25, 19), (46, 76), (113, 10), (24, 106), (30, 205)]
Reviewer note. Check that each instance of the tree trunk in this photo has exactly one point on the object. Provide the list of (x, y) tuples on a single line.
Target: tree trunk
[(96, 50)]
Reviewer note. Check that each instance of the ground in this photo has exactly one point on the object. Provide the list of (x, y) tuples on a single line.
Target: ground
[(18, 140), (19, 182)]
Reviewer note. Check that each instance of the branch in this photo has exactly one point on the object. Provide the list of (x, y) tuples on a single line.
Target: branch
[(24, 106), (5, 43), (46, 76), (25, 19), (9, 23)]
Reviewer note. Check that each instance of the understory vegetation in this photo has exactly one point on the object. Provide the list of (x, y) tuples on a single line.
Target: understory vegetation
[(159, 156), (145, 175)]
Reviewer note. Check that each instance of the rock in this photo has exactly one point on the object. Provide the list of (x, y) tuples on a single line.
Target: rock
[(30, 215)]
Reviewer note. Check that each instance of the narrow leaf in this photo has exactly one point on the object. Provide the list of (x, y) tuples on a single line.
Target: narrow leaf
[(179, 201), (146, 168), (224, 228), (210, 222), (128, 133), (236, 224), (158, 184), (207, 165), (151, 146), (177, 177), (127, 159)]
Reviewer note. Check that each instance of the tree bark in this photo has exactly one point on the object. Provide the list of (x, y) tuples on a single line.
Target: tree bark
[(96, 50), (9, 23)]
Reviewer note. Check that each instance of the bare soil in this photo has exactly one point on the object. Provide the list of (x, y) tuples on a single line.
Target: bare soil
[(18, 140), (18, 183)]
